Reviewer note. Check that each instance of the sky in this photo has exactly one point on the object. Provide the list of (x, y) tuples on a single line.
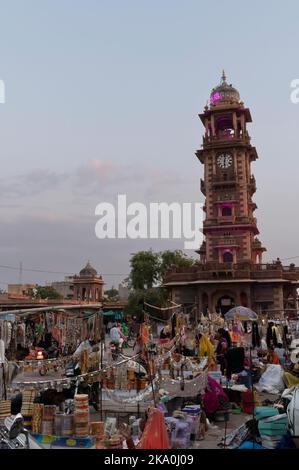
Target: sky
[(102, 98)]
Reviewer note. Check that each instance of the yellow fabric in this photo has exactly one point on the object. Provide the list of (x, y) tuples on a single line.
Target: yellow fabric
[(290, 380), (205, 347)]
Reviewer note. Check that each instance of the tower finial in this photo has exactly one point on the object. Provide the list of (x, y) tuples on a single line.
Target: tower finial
[(223, 78)]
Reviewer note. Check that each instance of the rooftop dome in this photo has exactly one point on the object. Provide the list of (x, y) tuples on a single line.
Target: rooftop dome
[(88, 270), (224, 93)]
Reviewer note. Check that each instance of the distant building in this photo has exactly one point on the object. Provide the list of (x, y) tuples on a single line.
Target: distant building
[(88, 285), (64, 288), (123, 291), (19, 289)]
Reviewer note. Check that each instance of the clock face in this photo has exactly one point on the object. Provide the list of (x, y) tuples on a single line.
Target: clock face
[(224, 160)]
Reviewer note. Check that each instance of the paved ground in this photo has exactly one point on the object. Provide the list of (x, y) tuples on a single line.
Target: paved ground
[(215, 434)]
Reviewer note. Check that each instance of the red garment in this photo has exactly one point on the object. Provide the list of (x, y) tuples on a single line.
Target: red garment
[(211, 398), (155, 435)]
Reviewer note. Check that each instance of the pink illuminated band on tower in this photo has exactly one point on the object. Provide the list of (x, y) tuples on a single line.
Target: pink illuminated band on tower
[(215, 97)]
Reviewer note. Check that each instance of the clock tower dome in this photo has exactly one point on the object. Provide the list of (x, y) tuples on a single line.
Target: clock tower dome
[(230, 228)]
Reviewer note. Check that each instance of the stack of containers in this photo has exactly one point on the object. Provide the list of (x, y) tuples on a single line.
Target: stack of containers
[(193, 412), (97, 429), (47, 426), (27, 407), (272, 430), (67, 425), (81, 415), (37, 416)]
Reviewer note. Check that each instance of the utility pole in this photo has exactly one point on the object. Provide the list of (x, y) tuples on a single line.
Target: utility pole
[(21, 273)]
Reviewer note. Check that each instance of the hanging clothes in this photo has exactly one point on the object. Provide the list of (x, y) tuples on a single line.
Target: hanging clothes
[(256, 340)]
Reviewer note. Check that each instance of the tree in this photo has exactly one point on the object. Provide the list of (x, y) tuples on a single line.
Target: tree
[(145, 269), (176, 257), (154, 296), (44, 292), (112, 294)]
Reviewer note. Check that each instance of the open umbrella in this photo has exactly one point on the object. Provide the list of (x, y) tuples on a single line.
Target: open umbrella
[(241, 313)]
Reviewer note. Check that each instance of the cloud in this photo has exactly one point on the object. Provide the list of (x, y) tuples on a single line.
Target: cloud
[(31, 184)]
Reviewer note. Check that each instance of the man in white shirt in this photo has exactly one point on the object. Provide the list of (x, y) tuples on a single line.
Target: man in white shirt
[(116, 336)]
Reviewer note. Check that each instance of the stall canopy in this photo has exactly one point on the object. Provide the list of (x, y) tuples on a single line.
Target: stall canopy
[(241, 313), (118, 315)]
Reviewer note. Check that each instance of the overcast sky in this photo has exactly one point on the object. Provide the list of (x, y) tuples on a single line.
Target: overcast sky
[(102, 98)]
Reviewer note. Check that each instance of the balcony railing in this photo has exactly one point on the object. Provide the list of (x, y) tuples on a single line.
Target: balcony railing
[(245, 270)]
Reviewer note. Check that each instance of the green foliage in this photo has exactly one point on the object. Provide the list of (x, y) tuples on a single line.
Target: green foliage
[(44, 292), (146, 277), (176, 257), (145, 269), (112, 294), (154, 296), (148, 268)]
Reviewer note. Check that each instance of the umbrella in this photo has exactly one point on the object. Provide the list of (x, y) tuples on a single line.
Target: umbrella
[(241, 313)]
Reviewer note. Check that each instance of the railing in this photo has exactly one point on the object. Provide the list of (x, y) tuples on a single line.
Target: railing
[(246, 270)]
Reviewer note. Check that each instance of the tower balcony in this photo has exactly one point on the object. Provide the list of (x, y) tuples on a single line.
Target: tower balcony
[(242, 270), (228, 137)]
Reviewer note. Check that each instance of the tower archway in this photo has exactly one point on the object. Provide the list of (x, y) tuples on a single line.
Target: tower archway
[(225, 303)]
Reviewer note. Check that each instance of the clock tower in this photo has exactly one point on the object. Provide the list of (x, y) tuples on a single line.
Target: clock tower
[(230, 270), (228, 185)]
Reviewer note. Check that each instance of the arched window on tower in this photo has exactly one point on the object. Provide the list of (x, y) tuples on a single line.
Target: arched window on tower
[(224, 127), (228, 257), (226, 211)]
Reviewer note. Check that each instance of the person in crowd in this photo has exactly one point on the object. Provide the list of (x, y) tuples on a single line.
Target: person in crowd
[(153, 429), (125, 332), (189, 343), (116, 336), (224, 343), (281, 353), (214, 399), (109, 326), (272, 357)]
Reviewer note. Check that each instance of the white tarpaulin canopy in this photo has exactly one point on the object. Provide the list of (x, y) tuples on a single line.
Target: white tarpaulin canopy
[(241, 313)]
